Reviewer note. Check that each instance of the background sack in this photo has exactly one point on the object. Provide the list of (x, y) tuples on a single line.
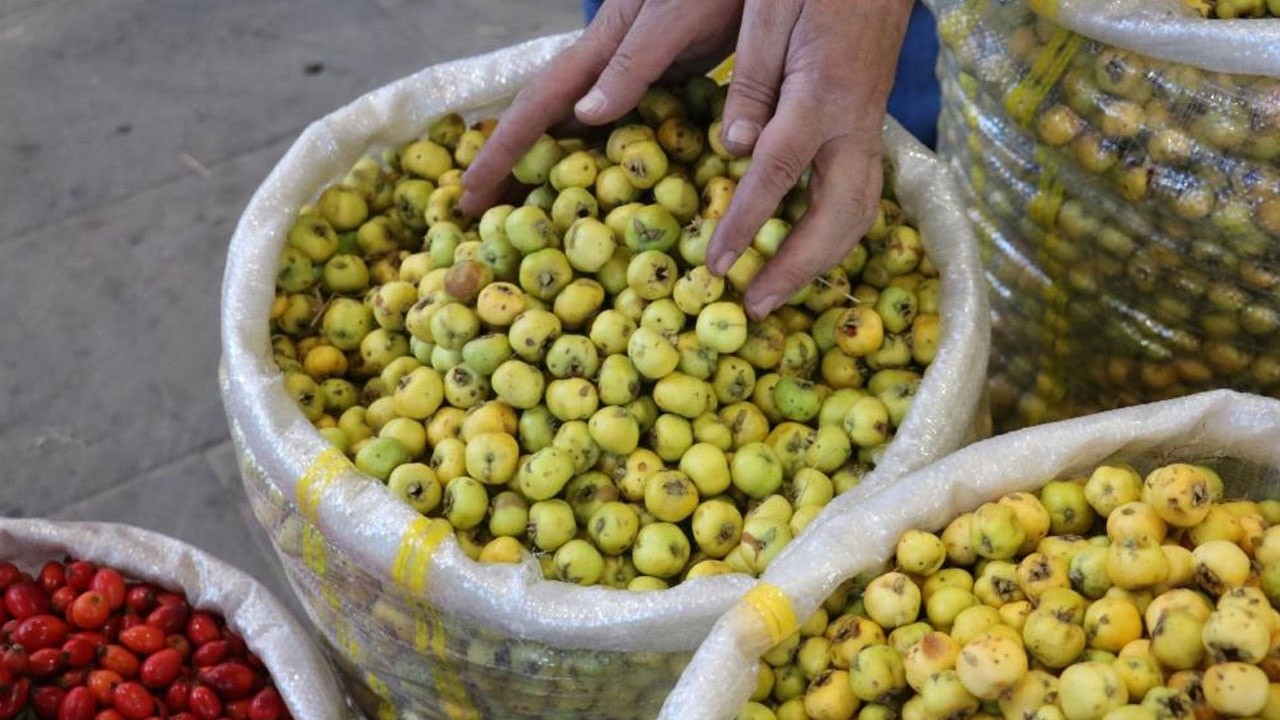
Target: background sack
[(298, 668), (1122, 158), (420, 629), (1233, 432)]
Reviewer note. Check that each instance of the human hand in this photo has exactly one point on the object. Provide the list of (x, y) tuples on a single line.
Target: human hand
[(810, 83), (596, 80)]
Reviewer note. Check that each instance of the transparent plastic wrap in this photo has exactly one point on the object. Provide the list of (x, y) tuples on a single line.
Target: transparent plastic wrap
[(301, 673), (419, 628), (1231, 432), (1123, 162)]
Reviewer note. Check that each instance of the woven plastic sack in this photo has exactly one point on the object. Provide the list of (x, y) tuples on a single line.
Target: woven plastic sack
[(1233, 432), (419, 628), (1123, 161), (306, 681)]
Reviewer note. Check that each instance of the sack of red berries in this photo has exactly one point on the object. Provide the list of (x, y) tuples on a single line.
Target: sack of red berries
[(101, 621)]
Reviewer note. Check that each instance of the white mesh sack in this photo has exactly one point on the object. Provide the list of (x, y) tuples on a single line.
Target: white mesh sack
[(305, 679), (1232, 432), (1123, 164), (420, 628)]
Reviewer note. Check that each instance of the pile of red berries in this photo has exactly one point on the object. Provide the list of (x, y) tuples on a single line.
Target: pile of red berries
[(79, 641)]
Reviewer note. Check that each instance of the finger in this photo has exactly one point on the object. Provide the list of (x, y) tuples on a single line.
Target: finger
[(787, 144), (757, 71), (661, 32), (547, 100), (844, 189)]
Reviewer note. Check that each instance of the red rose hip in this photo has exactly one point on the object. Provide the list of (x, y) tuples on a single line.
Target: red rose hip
[(133, 701), (79, 704), (161, 668)]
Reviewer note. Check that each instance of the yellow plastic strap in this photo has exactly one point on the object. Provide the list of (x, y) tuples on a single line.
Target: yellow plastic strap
[(1043, 208), (411, 571), (423, 631), (313, 555), (457, 705), (386, 708), (1026, 96), (346, 639), (978, 176), (413, 558), (322, 472), (775, 611)]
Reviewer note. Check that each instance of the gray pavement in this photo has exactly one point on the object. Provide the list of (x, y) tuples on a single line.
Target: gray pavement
[(132, 134)]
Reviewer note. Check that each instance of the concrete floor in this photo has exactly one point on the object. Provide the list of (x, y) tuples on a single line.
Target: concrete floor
[(132, 134)]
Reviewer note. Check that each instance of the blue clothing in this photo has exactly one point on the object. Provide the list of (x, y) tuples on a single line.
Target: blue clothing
[(916, 98)]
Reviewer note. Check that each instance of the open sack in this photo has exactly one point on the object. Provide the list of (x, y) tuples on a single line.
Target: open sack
[(1123, 164), (421, 629), (300, 671), (1231, 432)]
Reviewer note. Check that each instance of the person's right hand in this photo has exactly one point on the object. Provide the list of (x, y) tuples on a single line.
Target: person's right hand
[(630, 45), (810, 86)]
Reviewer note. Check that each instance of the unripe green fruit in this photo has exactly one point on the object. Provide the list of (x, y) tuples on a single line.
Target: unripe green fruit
[(717, 527), (578, 562), (996, 532), (644, 163), (722, 326), (518, 384), (756, 470), (613, 527), (683, 395), (651, 227), (343, 208), (615, 430), (796, 399), (589, 244), (544, 273), (576, 170), (652, 274), (762, 539), (551, 524), (652, 354), (678, 196), (534, 167), (529, 230), (661, 550), (670, 496), (571, 205), (465, 502)]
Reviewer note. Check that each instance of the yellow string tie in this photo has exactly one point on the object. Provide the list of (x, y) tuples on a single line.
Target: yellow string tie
[(319, 475), (413, 558)]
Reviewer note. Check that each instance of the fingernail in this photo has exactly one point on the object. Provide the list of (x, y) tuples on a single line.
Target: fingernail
[(590, 105), (765, 305), (721, 262), (742, 133)]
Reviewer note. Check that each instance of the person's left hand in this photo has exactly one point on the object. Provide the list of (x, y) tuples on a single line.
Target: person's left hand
[(630, 45)]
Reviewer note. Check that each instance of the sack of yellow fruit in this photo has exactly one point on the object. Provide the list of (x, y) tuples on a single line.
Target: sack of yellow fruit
[(1123, 160), (1126, 562), (512, 464)]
